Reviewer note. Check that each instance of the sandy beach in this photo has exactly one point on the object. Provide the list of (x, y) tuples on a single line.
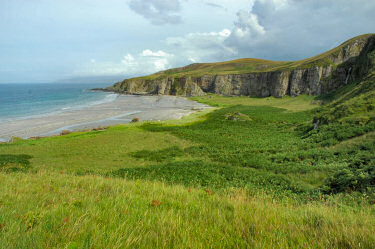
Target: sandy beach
[(122, 110)]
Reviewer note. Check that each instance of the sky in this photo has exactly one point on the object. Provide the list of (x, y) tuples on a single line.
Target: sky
[(52, 41)]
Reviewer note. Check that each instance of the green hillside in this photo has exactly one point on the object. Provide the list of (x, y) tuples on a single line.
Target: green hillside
[(250, 65)]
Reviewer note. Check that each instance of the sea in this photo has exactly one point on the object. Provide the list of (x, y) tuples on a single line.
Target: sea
[(22, 101)]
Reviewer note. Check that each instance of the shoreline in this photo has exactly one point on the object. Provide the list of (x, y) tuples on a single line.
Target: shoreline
[(127, 93), (120, 111), (107, 99)]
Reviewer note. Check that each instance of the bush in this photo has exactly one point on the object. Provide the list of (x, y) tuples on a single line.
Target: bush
[(358, 175), (216, 176), (65, 132), (13, 163), (237, 116), (351, 179), (159, 155)]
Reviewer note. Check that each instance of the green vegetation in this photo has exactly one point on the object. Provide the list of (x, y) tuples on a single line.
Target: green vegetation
[(250, 173), (52, 210), (347, 122), (301, 103), (11, 163), (253, 173)]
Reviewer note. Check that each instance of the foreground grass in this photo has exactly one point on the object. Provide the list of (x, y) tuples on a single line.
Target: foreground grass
[(50, 210)]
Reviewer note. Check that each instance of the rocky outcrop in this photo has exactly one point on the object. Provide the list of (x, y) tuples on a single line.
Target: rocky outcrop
[(313, 77), (164, 86)]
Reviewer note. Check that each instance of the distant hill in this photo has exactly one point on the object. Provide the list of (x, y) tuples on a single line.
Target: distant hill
[(261, 78)]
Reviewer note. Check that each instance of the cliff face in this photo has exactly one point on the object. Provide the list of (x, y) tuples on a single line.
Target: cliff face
[(327, 72), (164, 86)]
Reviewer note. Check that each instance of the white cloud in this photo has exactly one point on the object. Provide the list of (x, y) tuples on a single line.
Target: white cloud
[(268, 29), (271, 29), (159, 53), (159, 59), (247, 25), (145, 62), (225, 33), (128, 59), (159, 12), (160, 65), (296, 29), (201, 47)]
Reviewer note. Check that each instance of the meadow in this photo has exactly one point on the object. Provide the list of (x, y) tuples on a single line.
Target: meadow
[(251, 173)]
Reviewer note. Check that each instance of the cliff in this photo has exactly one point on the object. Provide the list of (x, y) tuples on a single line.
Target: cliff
[(261, 78)]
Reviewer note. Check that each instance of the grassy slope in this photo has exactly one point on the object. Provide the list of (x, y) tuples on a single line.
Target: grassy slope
[(222, 183), (49, 210), (250, 65), (347, 123)]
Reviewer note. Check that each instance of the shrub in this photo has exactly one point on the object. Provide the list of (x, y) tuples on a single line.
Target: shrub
[(13, 163), (65, 132), (358, 175), (237, 116), (159, 155), (100, 128), (351, 179)]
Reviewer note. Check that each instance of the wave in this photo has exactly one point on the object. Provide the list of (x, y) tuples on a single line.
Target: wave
[(107, 99)]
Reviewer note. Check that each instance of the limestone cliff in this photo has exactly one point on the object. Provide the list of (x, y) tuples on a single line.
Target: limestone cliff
[(260, 78)]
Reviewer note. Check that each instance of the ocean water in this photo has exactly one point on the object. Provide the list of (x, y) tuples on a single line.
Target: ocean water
[(20, 101)]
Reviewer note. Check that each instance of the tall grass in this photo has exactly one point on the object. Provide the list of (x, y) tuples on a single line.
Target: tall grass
[(51, 210)]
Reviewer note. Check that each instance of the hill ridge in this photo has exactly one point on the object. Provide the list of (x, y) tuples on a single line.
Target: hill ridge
[(260, 78)]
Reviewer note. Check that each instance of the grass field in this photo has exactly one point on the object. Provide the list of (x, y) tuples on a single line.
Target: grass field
[(52, 210), (248, 174)]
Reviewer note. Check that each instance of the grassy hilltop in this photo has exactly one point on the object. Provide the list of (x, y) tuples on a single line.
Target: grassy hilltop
[(317, 75), (251, 173), (252, 65)]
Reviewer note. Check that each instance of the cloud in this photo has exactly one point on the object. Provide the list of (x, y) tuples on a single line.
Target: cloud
[(275, 30), (143, 63), (191, 48), (159, 53), (158, 12), (215, 5), (268, 29), (247, 26), (296, 29), (200, 47)]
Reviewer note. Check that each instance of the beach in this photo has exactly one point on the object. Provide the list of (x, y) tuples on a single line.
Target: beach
[(120, 111)]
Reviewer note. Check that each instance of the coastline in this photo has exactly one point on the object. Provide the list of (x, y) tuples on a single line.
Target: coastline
[(120, 111), (125, 92)]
